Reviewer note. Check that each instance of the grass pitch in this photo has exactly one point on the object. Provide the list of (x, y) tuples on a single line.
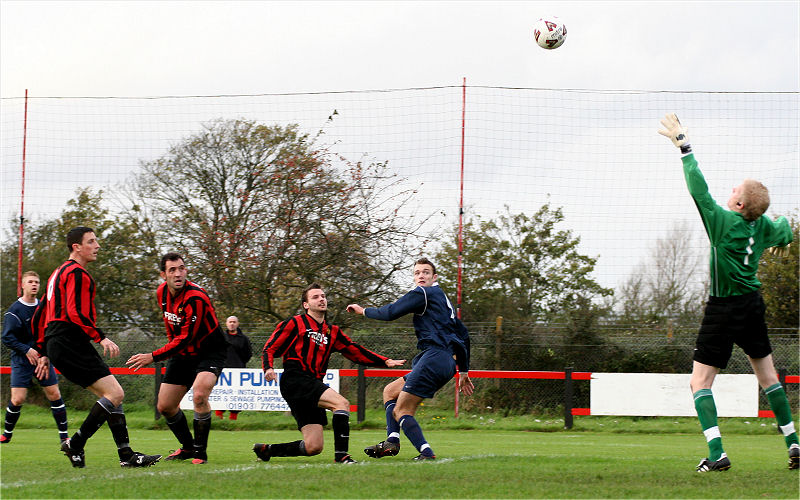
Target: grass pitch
[(473, 463)]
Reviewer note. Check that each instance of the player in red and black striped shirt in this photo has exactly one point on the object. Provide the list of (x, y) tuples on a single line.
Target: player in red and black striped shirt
[(306, 343), (65, 327), (196, 355)]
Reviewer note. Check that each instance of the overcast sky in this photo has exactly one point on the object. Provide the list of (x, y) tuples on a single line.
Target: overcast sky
[(582, 148), (120, 48)]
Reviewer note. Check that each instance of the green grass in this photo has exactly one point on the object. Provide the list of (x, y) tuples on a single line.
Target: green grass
[(508, 458)]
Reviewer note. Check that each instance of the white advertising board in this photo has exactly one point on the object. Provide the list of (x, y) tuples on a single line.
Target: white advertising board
[(668, 394), (246, 389)]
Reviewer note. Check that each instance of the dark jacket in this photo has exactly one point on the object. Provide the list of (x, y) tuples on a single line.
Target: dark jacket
[(239, 349)]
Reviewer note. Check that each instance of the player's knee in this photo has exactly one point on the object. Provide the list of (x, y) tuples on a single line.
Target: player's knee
[(52, 393), (313, 447), (391, 392), (17, 399), (116, 396), (200, 398), (167, 410), (399, 412), (342, 405)]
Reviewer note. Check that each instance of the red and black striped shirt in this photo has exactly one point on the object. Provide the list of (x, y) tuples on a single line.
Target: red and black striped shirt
[(192, 325), (69, 299), (310, 345)]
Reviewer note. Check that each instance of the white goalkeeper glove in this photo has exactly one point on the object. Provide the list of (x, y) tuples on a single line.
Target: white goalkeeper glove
[(779, 251), (676, 133)]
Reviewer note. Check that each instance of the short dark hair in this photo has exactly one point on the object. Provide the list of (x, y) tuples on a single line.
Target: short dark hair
[(304, 297), (75, 236), (424, 260), (169, 256)]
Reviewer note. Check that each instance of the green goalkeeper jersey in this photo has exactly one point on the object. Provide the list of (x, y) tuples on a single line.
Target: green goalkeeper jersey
[(736, 243)]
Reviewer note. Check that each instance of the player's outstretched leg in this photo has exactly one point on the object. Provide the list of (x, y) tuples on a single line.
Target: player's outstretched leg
[(73, 447), (262, 451), (267, 451)]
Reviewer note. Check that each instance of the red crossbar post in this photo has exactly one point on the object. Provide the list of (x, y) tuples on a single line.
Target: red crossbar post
[(460, 218)]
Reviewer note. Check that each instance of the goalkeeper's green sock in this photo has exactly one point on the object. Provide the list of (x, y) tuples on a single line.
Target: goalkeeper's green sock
[(783, 412), (707, 413)]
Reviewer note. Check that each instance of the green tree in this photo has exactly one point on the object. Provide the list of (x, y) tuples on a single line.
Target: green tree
[(665, 286), (780, 285), (528, 270), (521, 267), (124, 282), (260, 211)]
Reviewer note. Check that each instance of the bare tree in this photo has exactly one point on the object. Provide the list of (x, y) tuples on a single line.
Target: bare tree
[(670, 284), (261, 211)]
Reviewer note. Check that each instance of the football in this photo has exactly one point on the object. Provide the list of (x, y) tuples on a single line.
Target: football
[(549, 33)]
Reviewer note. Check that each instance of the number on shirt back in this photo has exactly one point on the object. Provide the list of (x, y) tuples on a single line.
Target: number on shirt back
[(749, 250)]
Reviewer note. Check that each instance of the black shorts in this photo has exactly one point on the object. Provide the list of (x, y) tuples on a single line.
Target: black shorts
[(302, 393), (732, 320), (182, 370), (73, 354)]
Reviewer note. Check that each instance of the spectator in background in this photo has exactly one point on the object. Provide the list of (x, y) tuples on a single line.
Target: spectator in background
[(239, 353), (18, 338)]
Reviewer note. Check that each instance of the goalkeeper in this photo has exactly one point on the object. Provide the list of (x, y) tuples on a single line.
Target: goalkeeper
[(734, 313)]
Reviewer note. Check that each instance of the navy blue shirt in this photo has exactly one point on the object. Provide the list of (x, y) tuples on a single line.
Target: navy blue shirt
[(435, 322), (17, 327)]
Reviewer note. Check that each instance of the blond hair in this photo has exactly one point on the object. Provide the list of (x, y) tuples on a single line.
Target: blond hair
[(754, 198), (29, 273)]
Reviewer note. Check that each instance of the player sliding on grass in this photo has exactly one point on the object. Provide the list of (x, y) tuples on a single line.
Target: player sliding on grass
[(734, 313), (306, 342), (440, 337)]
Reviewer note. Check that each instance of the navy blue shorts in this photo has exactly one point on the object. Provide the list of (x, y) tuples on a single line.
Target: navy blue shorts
[(430, 371), (22, 373)]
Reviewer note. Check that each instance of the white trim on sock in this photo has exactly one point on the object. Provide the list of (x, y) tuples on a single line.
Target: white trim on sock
[(788, 429), (394, 435), (424, 447), (712, 433)]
